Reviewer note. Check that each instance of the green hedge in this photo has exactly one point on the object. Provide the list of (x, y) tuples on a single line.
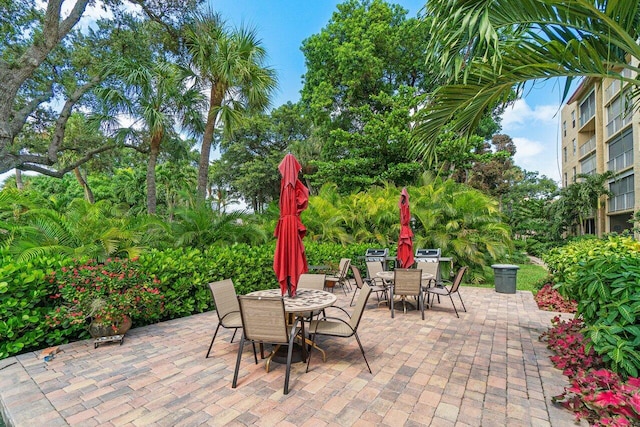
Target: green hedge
[(604, 277), (183, 274), (24, 303)]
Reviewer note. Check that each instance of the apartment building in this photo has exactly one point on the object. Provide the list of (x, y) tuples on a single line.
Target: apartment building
[(600, 131)]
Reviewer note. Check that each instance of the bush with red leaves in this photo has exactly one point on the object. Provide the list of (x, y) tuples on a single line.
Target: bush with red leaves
[(549, 299), (596, 394)]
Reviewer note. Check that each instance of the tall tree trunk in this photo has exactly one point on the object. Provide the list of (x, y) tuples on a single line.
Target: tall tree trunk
[(88, 194), (151, 174), (19, 183), (216, 96)]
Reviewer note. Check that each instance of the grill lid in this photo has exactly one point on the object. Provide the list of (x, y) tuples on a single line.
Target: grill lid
[(428, 253)]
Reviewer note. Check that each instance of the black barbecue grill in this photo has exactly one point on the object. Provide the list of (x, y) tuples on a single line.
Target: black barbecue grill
[(427, 255), (377, 255)]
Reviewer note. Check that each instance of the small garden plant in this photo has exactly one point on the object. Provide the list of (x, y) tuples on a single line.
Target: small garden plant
[(549, 299), (596, 394), (105, 292)]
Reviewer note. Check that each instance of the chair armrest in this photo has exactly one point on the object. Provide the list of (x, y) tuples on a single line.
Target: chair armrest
[(331, 318)]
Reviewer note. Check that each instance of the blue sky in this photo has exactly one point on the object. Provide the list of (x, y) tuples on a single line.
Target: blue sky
[(533, 122)]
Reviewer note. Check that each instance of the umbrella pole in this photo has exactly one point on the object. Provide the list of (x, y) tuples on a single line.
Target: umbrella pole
[(289, 286)]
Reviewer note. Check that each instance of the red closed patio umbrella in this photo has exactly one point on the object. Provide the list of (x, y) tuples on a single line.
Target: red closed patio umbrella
[(405, 242), (289, 260)]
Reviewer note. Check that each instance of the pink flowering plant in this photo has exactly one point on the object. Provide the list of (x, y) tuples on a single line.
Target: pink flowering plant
[(105, 292)]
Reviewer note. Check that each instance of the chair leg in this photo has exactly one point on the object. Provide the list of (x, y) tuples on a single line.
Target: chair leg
[(234, 335), (454, 306), (212, 340), (235, 372), (289, 354), (255, 355), (392, 305), (354, 297), (460, 296), (313, 344), (421, 303), (362, 350)]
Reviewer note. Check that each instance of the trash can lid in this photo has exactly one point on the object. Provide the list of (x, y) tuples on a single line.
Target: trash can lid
[(505, 266)]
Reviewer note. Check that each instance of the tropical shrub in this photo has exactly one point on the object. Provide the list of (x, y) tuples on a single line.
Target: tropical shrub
[(596, 394), (550, 299), (604, 277), (463, 222), (106, 292), (24, 304)]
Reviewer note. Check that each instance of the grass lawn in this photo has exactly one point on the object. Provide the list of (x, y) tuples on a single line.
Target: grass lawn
[(528, 276)]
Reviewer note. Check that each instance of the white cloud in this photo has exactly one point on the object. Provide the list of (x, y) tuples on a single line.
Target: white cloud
[(534, 155), (521, 114), (534, 130)]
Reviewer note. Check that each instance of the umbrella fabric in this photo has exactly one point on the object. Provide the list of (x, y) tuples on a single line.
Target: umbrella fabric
[(289, 260), (405, 242)]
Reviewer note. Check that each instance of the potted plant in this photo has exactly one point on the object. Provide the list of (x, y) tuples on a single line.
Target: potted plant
[(105, 294)]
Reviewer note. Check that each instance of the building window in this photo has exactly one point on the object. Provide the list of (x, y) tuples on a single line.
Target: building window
[(588, 165), (573, 119), (619, 113), (621, 152), (623, 197), (573, 178), (564, 128), (564, 154), (575, 146), (587, 108), (566, 184)]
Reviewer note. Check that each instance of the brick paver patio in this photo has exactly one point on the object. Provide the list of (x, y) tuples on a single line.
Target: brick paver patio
[(486, 368)]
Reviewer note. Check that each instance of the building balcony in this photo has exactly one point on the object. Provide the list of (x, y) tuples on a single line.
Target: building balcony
[(621, 162), (588, 147), (621, 202)]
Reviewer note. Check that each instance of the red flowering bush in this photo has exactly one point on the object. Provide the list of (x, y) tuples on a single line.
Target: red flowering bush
[(105, 292), (596, 394), (549, 299)]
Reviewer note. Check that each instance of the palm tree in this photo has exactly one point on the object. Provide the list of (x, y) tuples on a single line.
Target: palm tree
[(485, 48), (582, 199), (157, 95), (230, 64), (81, 229), (198, 226)]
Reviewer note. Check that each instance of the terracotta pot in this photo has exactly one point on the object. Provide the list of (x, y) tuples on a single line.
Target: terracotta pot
[(100, 329)]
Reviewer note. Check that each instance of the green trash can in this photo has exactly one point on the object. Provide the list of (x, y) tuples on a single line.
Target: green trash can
[(505, 278)]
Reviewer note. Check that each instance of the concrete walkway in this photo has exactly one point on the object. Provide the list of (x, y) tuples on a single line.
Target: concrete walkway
[(486, 368)]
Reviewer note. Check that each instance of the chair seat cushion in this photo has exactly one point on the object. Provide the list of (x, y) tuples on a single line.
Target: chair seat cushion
[(439, 291), (232, 320), (327, 327)]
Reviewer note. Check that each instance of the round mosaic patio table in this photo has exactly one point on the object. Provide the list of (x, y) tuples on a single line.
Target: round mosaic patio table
[(306, 299)]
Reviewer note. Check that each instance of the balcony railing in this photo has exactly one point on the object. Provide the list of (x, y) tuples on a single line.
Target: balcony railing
[(586, 115), (621, 202), (621, 161), (612, 90), (618, 123), (588, 146)]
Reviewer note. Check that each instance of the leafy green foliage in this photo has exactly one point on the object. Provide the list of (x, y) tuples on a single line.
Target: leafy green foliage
[(105, 292), (24, 304), (28, 290), (604, 277), (510, 43), (460, 220)]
